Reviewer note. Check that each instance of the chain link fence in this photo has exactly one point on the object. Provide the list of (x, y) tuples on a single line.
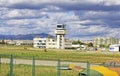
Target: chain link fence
[(30, 66)]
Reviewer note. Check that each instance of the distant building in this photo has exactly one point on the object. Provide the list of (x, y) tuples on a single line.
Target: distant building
[(68, 43), (114, 48), (40, 42), (86, 41), (104, 41), (60, 33), (59, 42), (24, 42), (51, 43), (19, 42), (11, 42)]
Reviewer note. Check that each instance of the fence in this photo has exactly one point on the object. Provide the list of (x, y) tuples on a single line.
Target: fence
[(30, 66)]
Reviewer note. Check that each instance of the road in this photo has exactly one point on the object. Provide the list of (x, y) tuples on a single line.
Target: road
[(42, 62)]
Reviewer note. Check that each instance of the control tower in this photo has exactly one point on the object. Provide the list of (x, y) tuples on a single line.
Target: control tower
[(60, 33)]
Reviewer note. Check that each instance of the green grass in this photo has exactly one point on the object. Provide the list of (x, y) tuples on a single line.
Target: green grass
[(26, 70), (54, 54), (27, 52)]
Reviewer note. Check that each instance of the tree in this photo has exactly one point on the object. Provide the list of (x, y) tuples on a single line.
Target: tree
[(90, 44), (2, 42), (78, 42), (102, 45)]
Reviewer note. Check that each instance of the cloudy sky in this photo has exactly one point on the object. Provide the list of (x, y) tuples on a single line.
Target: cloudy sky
[(85, 19)]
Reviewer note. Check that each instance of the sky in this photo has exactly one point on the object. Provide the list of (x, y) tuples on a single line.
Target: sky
[(84, 19)]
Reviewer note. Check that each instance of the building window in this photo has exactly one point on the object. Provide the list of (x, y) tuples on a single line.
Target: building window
[(43, 44), (59, 26), (40, 41)]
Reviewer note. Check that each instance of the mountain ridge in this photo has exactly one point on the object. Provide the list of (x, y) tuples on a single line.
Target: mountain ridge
[(24, 37)]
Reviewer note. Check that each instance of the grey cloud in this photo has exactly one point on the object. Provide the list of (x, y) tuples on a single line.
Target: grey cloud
[(26, 6), (65, 6), (111, 15), (111, 18), (94, 7), (106, 18), (21, 14)]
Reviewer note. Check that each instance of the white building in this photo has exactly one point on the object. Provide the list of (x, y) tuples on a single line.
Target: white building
[(39, 42), (68, 43), (104, 41), (24, 42), (59, 42), (115, 47), (19, 42), (51, 43), (60, 33)]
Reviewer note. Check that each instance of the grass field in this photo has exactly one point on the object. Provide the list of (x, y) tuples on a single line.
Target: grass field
[(54, 54), (26, 70), (27, 52)]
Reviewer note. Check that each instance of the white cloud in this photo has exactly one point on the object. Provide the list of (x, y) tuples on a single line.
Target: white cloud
[(93, 14), (104, 2), (13, 13), (44, 19), (17, 22), (97, 29), (23, 13), (114, 32), (111, 2)]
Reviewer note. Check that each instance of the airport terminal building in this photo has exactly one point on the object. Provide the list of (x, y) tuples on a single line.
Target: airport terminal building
[(59, 42)]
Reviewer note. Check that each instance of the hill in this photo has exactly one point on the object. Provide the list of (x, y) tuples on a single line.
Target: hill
[(23, 37)]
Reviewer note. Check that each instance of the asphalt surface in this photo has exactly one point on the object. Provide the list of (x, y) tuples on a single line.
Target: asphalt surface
[(42, 62)]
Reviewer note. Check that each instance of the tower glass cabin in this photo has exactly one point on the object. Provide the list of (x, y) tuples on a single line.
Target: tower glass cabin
[(60, 33)]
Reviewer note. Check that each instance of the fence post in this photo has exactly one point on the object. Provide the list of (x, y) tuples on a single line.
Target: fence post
[(88, 69), (58, 68), (0, 63), (33, 66), (11, 65)]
